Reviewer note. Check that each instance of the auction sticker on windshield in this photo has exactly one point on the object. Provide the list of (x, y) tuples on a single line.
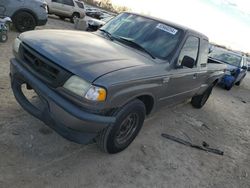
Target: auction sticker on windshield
[(167, 28)]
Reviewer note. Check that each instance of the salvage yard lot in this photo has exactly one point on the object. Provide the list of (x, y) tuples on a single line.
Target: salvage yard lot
[(33, 155)]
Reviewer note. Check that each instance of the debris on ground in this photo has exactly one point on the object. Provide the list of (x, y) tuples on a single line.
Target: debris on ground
[(204, 147)]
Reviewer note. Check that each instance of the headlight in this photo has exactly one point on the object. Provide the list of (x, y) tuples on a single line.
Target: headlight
[(77, 85), (84, 89), (16, 45), (96, 94)]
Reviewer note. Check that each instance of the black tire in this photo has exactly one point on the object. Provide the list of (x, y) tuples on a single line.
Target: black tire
[(24, 21), (3, 37), (129, 120), (74, 16), (62, 17), (200, 100)]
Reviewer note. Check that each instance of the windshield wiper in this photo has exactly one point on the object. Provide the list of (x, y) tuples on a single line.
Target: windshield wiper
[(136, 45), (108, 34)]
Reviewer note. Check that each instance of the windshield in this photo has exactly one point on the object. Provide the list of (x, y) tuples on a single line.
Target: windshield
[(226, 56), (155, 37)]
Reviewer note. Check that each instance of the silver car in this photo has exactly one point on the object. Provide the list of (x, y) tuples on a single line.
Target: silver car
[(66, 9), (25, 14)]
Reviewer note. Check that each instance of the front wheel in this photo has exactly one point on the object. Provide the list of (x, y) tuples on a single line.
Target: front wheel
[(200, 100), (3, 37), (24, 21), (129, 120)]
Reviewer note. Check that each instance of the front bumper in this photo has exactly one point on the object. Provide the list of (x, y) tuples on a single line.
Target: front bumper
[(42, 22), (227, 80), (69, 120)]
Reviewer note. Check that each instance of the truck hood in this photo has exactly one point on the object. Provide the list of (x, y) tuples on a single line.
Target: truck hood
[(87, 55)]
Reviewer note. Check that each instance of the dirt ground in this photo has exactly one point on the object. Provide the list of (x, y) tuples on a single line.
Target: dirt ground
[(33, 155)]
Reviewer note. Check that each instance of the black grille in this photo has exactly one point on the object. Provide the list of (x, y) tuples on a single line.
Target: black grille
[(43, 68)]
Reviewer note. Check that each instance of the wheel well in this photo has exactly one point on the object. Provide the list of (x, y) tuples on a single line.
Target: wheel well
[(148, 102), (76, 13), (215, 82), (25, 10)]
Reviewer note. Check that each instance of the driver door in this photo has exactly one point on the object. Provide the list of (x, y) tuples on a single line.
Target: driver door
[(183, 81)]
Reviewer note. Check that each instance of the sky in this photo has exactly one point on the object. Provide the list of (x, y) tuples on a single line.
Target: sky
[(226, 22)]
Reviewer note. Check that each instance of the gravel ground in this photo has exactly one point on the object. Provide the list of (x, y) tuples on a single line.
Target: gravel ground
[(33, 155)]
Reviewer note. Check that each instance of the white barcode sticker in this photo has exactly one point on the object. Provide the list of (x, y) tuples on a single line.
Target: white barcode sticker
[(167, 28)]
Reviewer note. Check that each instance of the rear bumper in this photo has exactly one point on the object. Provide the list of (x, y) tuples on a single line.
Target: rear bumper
[(69, 120)]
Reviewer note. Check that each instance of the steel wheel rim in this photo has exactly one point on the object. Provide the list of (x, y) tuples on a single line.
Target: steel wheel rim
[(127, 129)]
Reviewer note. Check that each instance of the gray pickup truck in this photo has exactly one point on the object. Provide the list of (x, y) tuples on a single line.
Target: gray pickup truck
[(100, 86)]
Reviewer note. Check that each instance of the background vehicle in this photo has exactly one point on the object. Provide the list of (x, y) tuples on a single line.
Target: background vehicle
[(248, 63), (95, 24), (66, 9), (4, 27), (236, 66), (103, 90), (25, 14), (94, 13)]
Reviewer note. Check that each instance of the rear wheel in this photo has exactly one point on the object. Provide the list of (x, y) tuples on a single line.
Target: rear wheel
[(129, 120), (24, 21), (74, 16), (200, 100)]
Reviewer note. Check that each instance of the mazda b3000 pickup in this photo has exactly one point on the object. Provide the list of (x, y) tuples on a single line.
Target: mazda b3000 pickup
[(100, 86)]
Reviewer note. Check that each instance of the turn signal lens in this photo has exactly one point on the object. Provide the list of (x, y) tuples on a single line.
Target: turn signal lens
[(96, 94)]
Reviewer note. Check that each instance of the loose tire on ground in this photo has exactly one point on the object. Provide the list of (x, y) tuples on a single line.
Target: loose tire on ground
[(24, 21), (129, 120), (200, 100)]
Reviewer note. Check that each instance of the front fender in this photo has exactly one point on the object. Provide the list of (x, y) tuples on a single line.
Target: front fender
[(124, 93)]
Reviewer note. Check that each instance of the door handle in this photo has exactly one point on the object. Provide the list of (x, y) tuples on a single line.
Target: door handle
[(195, 76)]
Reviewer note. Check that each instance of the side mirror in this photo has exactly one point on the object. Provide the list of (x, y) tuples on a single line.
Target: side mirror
[(244, 67), (210, 49), (188, 62)]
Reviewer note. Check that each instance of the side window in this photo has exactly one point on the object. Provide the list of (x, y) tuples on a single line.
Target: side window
[(58, 1), (204, 50), (68, 2), (189, 53)]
